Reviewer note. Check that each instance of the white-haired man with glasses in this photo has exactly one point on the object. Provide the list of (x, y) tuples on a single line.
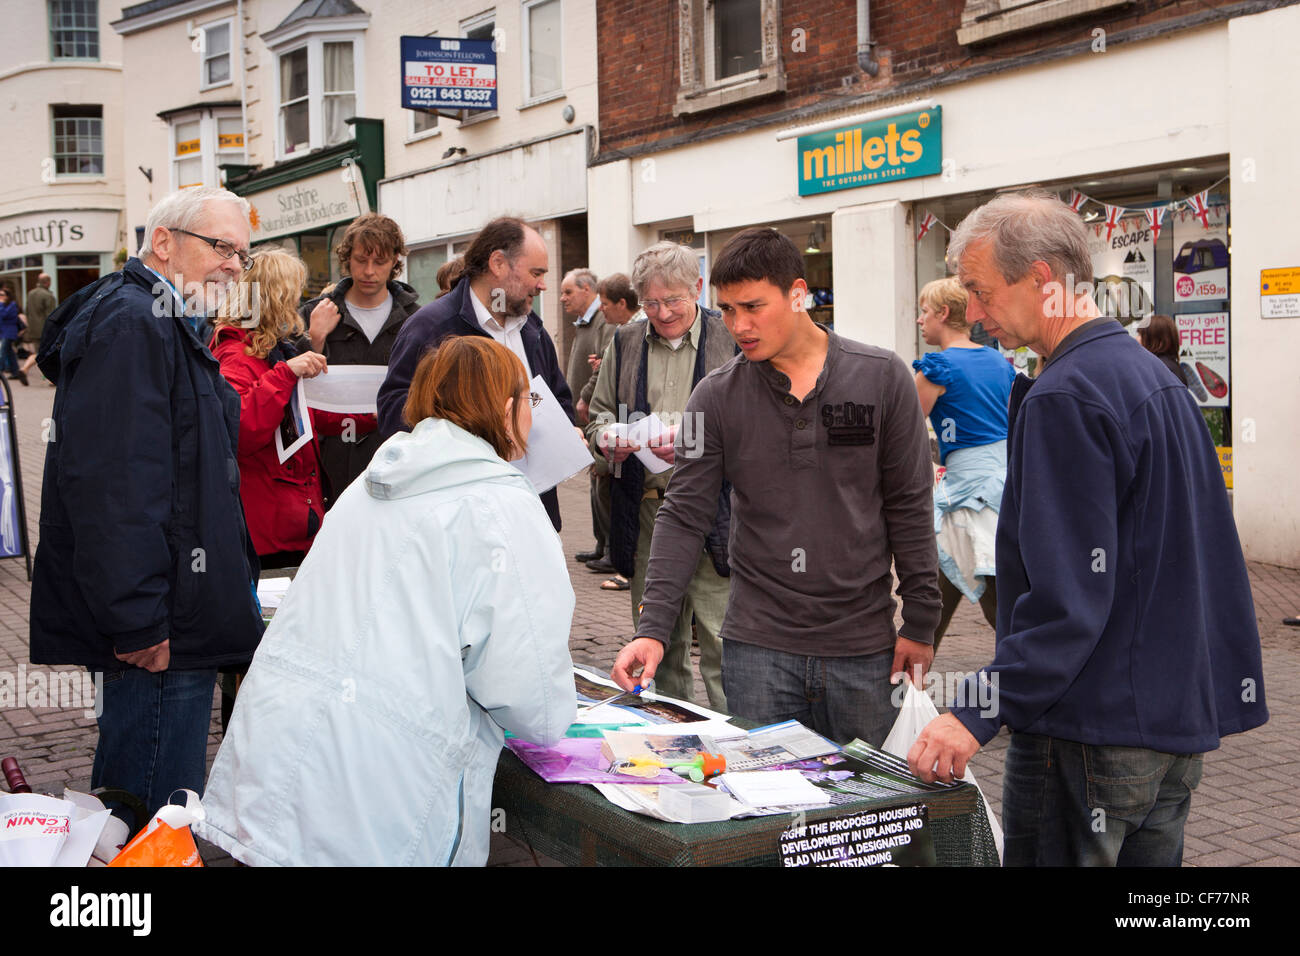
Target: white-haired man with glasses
[(653, 366), (145, 571)]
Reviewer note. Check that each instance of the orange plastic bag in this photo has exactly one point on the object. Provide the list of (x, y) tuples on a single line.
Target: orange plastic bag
[(167, 840)]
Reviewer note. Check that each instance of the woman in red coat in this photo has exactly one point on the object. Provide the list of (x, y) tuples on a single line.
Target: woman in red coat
[(263, 362)]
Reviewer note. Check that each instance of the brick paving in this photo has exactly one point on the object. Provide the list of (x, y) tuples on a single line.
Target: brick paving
[(1245, 813)]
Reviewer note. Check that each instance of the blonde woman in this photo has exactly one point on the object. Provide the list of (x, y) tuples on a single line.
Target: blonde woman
[(964, 388), (258, 339)]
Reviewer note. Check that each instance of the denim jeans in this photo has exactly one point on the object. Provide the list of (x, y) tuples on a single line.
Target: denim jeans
[(8, 357), (153, 732), (839, 697), (1071, 804)]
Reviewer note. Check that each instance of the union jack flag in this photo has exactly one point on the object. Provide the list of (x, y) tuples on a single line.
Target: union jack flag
[(1076, 200), (926, 225), (1155, 217), (1113, 216), (1199, 208)]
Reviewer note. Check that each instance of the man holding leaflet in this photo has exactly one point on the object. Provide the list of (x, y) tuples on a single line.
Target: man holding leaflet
[(823, 442)]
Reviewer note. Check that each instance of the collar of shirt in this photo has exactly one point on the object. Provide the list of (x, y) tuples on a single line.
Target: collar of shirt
[(196, 320), (586, 317), (485, 318), (780, 382), (693, 335), (1073, 339)]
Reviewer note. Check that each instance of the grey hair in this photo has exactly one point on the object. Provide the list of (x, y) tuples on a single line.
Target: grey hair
[(671, 263), (1025, 228), (183, 209), (584, 277)]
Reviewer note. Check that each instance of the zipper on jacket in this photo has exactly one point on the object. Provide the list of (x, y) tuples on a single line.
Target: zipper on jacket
[(460, 820)]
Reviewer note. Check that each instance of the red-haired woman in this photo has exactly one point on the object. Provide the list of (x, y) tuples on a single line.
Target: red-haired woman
[(431, 616)]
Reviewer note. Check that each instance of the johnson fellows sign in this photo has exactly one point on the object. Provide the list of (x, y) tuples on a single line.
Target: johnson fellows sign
[(900, 147)]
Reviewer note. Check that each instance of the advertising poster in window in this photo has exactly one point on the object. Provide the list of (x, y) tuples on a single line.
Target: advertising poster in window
[(448, 73), (1200, 254), (1203, 356), (1124, 271)]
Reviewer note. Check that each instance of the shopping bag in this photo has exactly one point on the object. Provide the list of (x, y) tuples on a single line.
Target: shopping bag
[(167, 840), (917, 711)]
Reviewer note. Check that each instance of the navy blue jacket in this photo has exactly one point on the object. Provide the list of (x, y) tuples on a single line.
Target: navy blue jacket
[(9, 327), (1124, 610), (453, 314), (142, 532)]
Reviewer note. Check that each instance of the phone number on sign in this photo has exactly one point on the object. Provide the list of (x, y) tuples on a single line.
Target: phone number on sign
[(436, 93)]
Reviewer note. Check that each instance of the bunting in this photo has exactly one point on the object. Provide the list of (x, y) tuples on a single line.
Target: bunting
[(1155, 217), (926, 225), (1113, 214)]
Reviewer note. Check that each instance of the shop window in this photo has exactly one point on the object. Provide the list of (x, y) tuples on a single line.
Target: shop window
[(543, 62), (319, 90), (480, 27), (983, 20), (422, 267), (74, 29), (75, 272), (215, 60), (728, 51), (201, 143), (78, 140)]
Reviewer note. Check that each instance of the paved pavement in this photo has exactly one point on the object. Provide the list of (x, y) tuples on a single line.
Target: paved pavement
[(1246, 811)]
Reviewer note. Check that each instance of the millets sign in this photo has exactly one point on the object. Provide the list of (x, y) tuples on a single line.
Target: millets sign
[(900, 147)]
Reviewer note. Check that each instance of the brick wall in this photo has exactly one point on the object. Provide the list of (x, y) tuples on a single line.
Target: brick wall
[(638, 67)]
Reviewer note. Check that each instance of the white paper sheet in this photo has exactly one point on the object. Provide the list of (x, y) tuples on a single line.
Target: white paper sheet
[(555, 452), (296, 430), (642, 432), (346, 389), (271, 591), (773, 788)]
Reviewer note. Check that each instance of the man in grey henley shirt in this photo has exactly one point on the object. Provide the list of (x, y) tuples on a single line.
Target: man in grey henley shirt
[(824, 443)]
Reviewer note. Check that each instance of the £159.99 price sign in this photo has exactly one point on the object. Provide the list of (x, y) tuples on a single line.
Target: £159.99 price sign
[(448, 73)]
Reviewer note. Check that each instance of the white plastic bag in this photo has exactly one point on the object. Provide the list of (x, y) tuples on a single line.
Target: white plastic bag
[(917, 711)]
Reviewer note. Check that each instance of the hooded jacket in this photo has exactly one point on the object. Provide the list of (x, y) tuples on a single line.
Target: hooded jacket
[(431, 615), (142, 532)]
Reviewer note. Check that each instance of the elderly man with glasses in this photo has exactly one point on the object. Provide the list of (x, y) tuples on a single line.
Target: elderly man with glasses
[(649, 367), (145, 572)]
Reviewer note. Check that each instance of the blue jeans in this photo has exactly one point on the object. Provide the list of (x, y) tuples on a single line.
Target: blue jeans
[(153, 732), (1071, 804), (8, 357), (839, 697)]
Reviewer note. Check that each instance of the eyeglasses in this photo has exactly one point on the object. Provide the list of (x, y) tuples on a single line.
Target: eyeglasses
[(222, 248), (672, 302), (534, 399)]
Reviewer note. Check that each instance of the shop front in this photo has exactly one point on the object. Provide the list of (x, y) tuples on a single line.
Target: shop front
[(73, 246), (542, 181), (1159, 182), (304, 205)]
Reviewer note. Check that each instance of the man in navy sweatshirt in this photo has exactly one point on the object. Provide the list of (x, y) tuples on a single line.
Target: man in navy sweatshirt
[(1126, 638)]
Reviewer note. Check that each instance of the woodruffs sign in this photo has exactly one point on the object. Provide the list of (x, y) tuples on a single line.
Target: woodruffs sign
[(900, 147)]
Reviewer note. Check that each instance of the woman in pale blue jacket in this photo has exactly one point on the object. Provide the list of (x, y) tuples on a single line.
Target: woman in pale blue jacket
[(431, 615)]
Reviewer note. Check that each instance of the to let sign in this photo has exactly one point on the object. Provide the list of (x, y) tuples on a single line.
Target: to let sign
[(448, 73)]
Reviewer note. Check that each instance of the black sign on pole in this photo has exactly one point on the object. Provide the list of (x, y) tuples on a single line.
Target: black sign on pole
[(13, 506)]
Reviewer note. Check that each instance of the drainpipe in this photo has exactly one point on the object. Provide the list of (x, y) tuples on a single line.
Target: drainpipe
[(243, 80), (866, 61)]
